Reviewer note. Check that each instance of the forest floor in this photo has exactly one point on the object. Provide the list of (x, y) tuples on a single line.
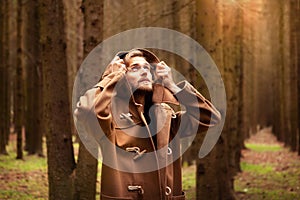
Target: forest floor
[(269, 171)]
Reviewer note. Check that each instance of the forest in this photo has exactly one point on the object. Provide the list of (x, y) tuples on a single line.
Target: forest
[(253, 43)]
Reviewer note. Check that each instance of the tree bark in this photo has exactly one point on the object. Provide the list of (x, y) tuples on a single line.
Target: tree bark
[(86, 172), (249, 65), (57, 124), (3, 76), (213, 179), (296, 58), (33, 132), (294, 9), (8, 77), (232, 62), (74, 37), (19, 87)]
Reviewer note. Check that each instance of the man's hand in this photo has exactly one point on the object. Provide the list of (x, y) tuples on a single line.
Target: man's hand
[(117, 64), (163, 72)]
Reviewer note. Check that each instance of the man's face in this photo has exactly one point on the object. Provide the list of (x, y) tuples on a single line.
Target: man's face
[(138, 74)]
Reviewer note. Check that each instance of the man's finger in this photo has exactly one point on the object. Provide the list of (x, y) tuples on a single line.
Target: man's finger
[(165, 71), (121, 61), (159, 66), (162, 65), (123, 66)]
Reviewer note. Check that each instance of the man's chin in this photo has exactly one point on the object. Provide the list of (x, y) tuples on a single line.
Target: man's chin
[(145, 88)]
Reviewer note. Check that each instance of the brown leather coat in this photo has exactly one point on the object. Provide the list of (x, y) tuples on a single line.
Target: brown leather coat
[(141, 156)]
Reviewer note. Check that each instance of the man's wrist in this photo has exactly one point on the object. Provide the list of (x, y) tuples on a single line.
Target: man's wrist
[(174, 88)]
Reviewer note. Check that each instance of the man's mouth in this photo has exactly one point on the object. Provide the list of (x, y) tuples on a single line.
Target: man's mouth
[(144, 81)]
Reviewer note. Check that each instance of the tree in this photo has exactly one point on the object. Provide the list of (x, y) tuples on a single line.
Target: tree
[(74, 36), (33, 132), (56, 102), (232, 70), (19, 86), (248, 50), (295, 43), (295, 72), (270, 64), (213, 179), (3, 76), (86, 171)]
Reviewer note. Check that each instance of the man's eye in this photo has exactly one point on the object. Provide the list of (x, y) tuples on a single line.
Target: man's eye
[(147, 67), (135, 69)]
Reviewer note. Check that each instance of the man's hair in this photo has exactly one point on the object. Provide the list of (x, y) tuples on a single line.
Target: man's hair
[(131, 54)]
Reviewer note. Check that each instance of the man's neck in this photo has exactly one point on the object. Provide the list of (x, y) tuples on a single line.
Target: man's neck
[(142, 96)]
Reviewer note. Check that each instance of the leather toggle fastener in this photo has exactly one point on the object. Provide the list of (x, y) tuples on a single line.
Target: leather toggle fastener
[(137, 151), (168, 191), (126, 116), (169, 152), (134, 188), (173, 114)]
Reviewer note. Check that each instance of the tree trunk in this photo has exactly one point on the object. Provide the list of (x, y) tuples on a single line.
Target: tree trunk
[(246, 73), (74, 37), (232, 62), (86, 172), (8, 77), (295, 72), (60, 154), (285, 133), (3, 76), (31, 61), (276, 51), (296, 58), (19, 87), (249, 65), (213, 180)]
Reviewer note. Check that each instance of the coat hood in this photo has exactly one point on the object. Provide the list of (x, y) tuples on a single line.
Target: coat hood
[(160, 93), (150, 57)]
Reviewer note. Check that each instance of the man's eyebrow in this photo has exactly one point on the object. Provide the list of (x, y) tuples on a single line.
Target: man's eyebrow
[(134, 64), (137, 64)]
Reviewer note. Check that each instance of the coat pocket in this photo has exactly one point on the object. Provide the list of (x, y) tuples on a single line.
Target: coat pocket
[(106, 197), (179, 197)]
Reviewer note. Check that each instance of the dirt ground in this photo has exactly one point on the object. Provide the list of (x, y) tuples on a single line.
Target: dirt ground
[(271, 173), (278, 176)]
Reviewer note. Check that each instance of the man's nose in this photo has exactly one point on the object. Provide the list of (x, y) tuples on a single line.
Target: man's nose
[(143, 72)]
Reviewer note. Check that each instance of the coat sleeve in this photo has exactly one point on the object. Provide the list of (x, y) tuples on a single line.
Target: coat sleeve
[(199, 114), (92, 114), (103, 99), (86, 121)]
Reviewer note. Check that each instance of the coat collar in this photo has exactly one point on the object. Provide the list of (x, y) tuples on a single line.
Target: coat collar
[(163, 95), (124, 106), (160, 93)]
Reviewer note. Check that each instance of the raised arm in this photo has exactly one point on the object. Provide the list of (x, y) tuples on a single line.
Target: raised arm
[(200, 114), (93, 107)]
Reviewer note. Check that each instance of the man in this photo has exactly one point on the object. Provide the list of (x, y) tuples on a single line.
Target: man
[(140, 132)]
